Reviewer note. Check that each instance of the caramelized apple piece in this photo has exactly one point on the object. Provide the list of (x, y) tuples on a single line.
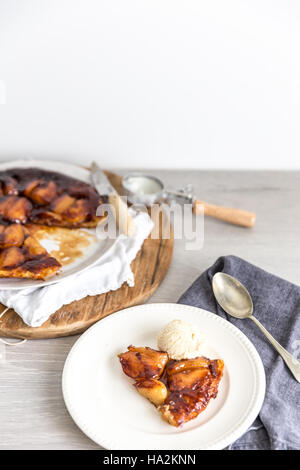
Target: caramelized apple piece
[(12, 235), (62, 203), (191, 392), (190, 379), (19, 209), (43, 193), (77, 212), (187, 364), (11, 257), (10, 186), (143, 362), (33, 247), (31, 185), (5, 202), (14, 208), (153, 389)]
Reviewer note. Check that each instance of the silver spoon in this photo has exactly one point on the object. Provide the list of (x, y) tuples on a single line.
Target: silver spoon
[(236, 301)]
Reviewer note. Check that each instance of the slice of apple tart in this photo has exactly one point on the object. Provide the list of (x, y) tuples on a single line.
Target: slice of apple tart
[(180, 390), (23, 256)]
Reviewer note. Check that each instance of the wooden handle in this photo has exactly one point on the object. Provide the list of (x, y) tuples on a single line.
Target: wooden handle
[(123, 218), (228, 214)]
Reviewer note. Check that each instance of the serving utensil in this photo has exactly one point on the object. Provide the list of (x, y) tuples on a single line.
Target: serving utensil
[(146, 189), (235, 300), (123, 218)]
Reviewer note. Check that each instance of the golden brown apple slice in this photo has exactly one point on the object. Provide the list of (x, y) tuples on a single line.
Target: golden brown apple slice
[(10, 186), (11, 257), (14, 208), (143, 363), (62, 203), (31, 185), (12, 235), (152, 389), (33, 247), (187, 364), (5, 202), (77, 212), (44, 193), (191, 379)]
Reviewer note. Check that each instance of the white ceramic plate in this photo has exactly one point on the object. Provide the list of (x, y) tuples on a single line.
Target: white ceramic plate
[(91, 254), (108, 409)]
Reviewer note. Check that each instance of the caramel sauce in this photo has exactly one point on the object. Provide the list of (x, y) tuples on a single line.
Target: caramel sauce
[(70, 243)]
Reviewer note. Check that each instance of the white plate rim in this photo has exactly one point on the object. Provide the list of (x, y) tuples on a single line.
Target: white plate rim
[(77, 172), (220, 443)]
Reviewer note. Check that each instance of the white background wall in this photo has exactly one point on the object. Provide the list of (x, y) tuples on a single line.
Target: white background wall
[(152, 83)]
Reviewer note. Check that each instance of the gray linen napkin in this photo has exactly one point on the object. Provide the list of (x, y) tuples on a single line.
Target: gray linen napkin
[(277, 306)]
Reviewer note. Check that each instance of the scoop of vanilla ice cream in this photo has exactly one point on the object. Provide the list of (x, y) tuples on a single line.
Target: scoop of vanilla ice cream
[(181, 340)]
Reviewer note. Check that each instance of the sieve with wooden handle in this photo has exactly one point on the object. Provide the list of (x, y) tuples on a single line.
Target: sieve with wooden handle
[(146, 189)]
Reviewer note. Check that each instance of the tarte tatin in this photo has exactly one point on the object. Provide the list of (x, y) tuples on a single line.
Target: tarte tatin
[(36, 196)]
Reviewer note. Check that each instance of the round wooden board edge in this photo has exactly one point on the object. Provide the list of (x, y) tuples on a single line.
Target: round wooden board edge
[(77, 328)]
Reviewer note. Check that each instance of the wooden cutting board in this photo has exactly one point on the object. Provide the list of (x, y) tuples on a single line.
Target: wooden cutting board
[(149, 267)]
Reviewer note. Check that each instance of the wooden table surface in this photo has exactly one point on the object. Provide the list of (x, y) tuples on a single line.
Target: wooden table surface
[(32, 411)]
